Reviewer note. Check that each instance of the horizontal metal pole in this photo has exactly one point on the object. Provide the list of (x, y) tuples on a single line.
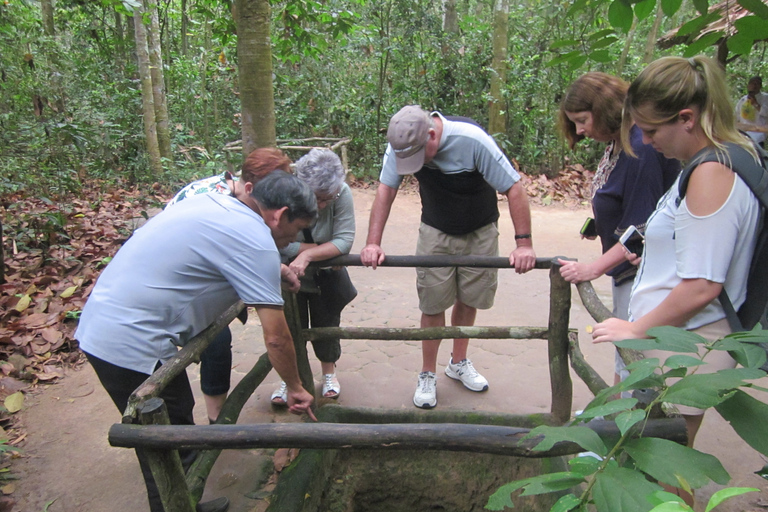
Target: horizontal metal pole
[(443, 436), (353, 260)]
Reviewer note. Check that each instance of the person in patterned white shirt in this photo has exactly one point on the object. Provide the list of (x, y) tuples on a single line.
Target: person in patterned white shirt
[(752, 111), (216, 361)]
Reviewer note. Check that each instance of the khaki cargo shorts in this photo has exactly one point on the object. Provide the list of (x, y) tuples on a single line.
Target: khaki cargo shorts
[(439, 287)]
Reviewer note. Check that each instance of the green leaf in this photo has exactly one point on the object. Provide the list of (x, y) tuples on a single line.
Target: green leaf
[(696, 24), (600, 34), (620, 15), (755, 6), (622, 490), (552, 482), (563, 43), (701, 5), (748, 417), (611, 407), (659, 497), (603, 43), (682, 361), (576, 63), (644, 9), (627, 420), (584, 465), (675, 464), (566, 57), (577, 6), (566, 503), (673, 506), (675, 339), (702, 43), (724, 494), (670, 7), (583, 436), (601, 56), (752, 26), (749, 355), (708, 390), (502, 498), (740, 44)]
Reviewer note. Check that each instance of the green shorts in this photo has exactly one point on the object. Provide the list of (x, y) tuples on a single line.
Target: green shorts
[(440, 287)]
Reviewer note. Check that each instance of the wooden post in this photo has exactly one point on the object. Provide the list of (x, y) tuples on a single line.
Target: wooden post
[(291, 310), (165, 464), (559, 317)]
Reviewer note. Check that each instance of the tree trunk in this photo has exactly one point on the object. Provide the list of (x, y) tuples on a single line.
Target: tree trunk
[(204, 86), (650, 43), (147, 99), (184, 24), (450, 17), (497, 122), (158, 83), (254, 54), (627, 45), (119, 41), (49, 29)]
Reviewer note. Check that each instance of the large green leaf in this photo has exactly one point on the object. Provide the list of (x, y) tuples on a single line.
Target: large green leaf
[(627, 420), (682, 361), (676, 339), (672, 506), (554, 482), (620, 15), (601, 56), (566, 503), (749, 355), (563, 43), (696, 24), (576, 63), (670, 7), (565, 58), (701, 5), (603, 43), (584, 465), (577, 6), (752, 26), (675, 464), (622, 490), (611, 407), (502, 498), (708, 390), (748, 417), (755, 6), (583, 436), (600, 34), (724, 494), (644, 9)]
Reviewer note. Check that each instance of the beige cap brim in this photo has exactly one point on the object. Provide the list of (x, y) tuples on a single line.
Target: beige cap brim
[(411, 164)]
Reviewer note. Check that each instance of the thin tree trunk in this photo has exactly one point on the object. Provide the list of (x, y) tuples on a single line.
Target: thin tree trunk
[(627, 45), (650, 43), (119, 41), (254, 54), (184, 24), (49, 29), (158, 83), (147, 98), (497, 122), (450, 17), (204, 86)]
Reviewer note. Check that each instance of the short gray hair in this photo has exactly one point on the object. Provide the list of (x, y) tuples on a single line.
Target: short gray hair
[(279, 189), (321, 169)]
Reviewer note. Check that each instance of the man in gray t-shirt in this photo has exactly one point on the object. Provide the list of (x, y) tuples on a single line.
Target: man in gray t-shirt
[(180, 272)]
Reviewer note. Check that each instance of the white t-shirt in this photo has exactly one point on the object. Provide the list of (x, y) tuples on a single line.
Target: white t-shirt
[(174, 277), (716, 247), (747, 113)]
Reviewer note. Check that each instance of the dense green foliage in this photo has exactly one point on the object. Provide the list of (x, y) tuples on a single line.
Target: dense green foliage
[(70, 103)]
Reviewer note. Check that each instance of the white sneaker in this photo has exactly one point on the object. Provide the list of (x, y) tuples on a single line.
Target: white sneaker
[(466, 373), (280, 395), (426, 391), (331, 386)]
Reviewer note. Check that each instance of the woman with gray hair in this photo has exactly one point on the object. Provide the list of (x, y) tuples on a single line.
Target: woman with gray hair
[(325, 291)]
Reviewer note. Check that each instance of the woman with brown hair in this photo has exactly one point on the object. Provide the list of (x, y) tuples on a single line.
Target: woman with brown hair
[(625, 188)]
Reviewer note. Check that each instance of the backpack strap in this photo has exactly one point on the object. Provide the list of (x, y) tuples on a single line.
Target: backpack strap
[(754, 174)]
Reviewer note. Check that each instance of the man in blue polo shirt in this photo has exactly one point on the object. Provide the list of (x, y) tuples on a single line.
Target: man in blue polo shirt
[(178, 274), (460, 169)]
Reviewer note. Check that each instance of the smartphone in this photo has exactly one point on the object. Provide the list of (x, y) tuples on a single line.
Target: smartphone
[(632, 240), (589, 229)]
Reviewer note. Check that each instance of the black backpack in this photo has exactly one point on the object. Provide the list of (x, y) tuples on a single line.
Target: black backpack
[(756, 177)]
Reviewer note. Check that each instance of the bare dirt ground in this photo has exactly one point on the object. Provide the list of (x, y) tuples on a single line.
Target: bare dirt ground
[(67, 464)]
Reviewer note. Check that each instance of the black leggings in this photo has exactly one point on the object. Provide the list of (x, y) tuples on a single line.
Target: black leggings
[(121, 382)]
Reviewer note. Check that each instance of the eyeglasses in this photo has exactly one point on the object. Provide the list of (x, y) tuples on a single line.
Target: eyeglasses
[(328, 199)]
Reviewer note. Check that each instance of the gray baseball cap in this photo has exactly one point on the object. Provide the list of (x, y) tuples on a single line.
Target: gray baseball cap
[(408, 134)]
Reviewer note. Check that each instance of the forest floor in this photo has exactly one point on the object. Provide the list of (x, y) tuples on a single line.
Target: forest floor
[(65, 464)]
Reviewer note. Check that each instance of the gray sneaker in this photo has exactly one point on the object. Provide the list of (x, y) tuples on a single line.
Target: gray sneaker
[(466, 373), (426, 391)]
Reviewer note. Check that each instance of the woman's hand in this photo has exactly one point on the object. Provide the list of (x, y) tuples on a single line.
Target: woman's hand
[(289, 278), (300, 263), (614, 329), (575, 272)]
